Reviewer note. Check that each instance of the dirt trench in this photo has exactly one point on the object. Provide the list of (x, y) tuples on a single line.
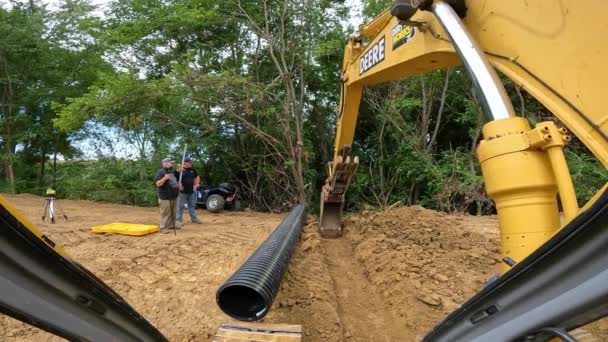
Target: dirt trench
[(361, 308)]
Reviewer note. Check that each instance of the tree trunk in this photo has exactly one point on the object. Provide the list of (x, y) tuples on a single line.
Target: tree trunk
[(476, 136), (142, 153), (428, 95), (522, 102), (414, 193), (42, 165), (444, 95), (55, 168), (7, 108), (11, 175)]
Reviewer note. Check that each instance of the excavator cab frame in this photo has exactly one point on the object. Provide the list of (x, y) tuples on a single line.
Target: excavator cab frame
[(557, 280)]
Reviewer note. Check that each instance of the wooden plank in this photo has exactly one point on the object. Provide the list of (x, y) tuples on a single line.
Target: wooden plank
[(251, 332), (295, 328)]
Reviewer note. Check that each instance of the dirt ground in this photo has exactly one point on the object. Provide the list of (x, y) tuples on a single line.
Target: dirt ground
[(392, 277)]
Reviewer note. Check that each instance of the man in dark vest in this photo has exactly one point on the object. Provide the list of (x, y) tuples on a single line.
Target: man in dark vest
[(190, 183), (168, 190)]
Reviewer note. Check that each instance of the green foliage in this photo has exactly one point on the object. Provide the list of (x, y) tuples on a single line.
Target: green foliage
[(45, 57), (108, 180), (373, 8), (457, 186), (588, 175)]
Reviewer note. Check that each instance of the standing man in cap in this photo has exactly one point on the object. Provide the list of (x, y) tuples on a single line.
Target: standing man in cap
[(168, 190), (190, 183)]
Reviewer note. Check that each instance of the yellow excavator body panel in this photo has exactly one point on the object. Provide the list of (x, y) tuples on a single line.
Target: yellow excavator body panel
[(554, 50)]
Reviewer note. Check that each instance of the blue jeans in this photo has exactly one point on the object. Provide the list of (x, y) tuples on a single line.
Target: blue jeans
[(189, 200)]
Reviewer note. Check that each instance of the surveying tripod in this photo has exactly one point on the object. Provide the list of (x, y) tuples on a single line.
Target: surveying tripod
[(51, 203)]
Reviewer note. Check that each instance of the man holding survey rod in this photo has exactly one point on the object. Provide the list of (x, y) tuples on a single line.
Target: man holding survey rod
[(189, 183)]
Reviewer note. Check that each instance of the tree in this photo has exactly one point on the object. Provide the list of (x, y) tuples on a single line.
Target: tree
[(45, 57), (21, 30), (246, 98)]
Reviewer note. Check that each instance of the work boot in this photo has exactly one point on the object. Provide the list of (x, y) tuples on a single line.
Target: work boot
[(179, 224), (197, 221), (164, 231)]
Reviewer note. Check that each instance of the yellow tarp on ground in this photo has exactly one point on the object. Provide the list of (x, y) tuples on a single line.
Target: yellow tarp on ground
[(126, 229)]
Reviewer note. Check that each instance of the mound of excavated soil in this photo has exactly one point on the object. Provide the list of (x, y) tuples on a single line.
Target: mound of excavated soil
[(424, 263)]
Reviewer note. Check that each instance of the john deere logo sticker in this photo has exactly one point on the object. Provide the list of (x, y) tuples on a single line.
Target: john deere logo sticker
[(372, 57), (402, 34)]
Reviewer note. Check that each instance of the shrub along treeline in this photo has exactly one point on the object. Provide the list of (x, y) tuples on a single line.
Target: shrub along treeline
[(108, 180)]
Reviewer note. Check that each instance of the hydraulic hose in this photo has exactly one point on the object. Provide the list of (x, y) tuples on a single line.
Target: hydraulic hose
[(249, 293)]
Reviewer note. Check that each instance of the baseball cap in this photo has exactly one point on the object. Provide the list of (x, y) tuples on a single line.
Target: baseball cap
[(187, 160), (167, 160)]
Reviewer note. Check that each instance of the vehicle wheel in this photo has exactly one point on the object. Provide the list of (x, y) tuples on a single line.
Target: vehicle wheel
[(236, 205), (215, 203)]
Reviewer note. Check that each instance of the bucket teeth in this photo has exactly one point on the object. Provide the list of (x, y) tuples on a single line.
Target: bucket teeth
[(341, 173)]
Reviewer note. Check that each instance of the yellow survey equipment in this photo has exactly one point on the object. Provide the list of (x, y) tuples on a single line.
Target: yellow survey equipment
[(126, 229), (544, 46)]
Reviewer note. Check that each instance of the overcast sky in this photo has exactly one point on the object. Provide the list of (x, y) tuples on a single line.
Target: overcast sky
[(355, 5), (356, 14)]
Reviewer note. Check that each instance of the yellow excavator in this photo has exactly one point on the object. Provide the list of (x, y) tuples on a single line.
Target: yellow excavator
[(554, 49), (555, 275)]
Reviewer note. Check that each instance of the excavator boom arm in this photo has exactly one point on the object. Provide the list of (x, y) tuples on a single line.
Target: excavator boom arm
[(551, 49)]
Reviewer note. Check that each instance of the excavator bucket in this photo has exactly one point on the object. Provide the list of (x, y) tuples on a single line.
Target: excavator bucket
[(240, 332), (341, 172), (331, 219)]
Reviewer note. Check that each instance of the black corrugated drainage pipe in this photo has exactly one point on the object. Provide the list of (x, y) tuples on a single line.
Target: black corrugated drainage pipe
[(249, 293)]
